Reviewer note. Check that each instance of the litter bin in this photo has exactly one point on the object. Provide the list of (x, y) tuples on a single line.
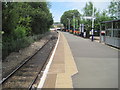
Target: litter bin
[(102, 36)]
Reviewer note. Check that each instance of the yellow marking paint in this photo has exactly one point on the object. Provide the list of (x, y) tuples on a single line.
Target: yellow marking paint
[(64, 80)]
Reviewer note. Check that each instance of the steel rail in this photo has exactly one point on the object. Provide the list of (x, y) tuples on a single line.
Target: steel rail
[(20, 66), (30, 87)]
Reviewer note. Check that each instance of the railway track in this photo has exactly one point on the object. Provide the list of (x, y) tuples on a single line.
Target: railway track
[(27, 73)]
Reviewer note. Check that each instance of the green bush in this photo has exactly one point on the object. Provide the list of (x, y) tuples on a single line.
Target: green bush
[(20, 32), (10, 45), (23, 23)]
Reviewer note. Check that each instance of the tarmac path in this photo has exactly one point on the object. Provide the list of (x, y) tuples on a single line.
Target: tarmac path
[(97, 63)]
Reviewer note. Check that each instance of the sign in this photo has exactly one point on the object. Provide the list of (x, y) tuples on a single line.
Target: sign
[(81, 27), (89, 17)]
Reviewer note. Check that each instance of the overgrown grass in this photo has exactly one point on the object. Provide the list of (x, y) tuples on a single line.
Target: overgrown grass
[(10, 45)]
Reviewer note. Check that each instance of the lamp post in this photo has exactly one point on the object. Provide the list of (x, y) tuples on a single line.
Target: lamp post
[(68, 23), (92, 25), (73, 22), (91, 17)]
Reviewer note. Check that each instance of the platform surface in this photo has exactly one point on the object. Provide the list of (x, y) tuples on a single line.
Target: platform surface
[(63, 67), (80, 63)]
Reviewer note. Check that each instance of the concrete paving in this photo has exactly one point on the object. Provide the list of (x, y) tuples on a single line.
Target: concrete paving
[(97, 63), (62, 67)]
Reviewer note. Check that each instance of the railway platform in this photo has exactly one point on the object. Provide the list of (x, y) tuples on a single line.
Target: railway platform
[(62, 67), (94, 65)]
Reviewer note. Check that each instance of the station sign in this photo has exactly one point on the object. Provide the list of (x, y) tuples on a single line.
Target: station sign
[(89, 17)]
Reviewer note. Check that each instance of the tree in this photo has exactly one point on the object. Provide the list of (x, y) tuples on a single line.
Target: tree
[(42, 18), (14, 15), (21, 20), (87, 11), (69, 15), (113, 8), (100, 17), (35, 17)]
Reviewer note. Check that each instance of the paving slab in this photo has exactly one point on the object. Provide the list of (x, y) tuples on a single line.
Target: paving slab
[(51, 80), (62, 68)]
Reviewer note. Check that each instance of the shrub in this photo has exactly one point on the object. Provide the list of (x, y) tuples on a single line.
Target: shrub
[(11, 45), (20, 32)]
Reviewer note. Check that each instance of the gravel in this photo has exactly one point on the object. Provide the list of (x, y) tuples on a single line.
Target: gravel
[(16, 58)]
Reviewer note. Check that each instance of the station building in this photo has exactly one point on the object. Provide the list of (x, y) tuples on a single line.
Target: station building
[(110, 33)]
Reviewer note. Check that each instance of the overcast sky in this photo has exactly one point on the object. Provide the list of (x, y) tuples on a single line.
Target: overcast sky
[(59, 7)]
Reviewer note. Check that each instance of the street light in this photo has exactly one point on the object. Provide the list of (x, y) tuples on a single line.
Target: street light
[(73, 22), (92, 24), (68, 23)]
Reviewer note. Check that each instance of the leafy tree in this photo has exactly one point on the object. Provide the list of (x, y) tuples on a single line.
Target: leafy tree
[(21, 20), (113, 8), (36, 17), (87, 11), (100, 17), (69, 15), (9, 19), (15, 14), (42, 18)]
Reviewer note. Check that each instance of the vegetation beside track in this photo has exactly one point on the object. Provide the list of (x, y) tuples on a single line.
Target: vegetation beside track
[(23, 23)]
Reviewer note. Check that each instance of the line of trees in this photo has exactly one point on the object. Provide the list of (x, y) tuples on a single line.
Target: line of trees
[(105, 15), (72, 15), (22, 23)]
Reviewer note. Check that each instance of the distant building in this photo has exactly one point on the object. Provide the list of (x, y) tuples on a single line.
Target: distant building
[(58, 25)]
